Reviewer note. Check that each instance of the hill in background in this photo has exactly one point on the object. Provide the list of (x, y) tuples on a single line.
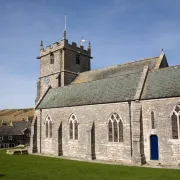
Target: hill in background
[(16, 114)]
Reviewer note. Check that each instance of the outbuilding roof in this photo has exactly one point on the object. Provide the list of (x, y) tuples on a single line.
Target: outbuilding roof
[(17, 128)]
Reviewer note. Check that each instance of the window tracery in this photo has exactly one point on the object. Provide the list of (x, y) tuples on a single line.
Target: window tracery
[(115, 128), (73, 127)]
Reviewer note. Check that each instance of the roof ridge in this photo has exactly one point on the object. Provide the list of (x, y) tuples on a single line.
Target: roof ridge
[(165, 68), (117, 65), (139, 60)]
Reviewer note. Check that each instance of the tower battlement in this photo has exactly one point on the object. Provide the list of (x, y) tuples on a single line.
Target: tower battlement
[(62, 45)]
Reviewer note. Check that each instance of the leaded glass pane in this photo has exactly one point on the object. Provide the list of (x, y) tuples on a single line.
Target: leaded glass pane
[(174, 126), (76, 130), (50, 129), (46, 129), (115, 131), (110, 131), (120, 131), (71, 130)]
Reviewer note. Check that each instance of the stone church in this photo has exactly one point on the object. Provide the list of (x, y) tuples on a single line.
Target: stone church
[(127, 113)]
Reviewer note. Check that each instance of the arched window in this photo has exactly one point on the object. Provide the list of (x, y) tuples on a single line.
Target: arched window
[(120, 131), (51, 58), (115, 128), (49, 127), (115, 131), (73, 127), (175, 121), (152, 120), (46, 129), (174, 126)]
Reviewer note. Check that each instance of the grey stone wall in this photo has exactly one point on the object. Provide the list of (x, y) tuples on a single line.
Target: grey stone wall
[(68, 77), (169, 149), (86, 115), (138, 141), (38, 146), (46, 68), (70, 61)]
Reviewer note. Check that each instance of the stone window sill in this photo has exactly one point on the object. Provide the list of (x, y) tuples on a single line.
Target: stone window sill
[(115, 143), (73, 140), (174, 141)]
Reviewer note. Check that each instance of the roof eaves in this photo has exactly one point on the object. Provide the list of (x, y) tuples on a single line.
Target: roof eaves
[(39, 101)]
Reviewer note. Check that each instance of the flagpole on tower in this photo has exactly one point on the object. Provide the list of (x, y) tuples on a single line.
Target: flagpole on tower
[(64, 34), (65, 22)]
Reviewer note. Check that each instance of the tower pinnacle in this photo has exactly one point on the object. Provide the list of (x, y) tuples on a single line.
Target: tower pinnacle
[(64, 34), (89, 45)]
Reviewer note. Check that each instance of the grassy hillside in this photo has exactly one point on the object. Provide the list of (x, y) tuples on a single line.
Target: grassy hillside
[(39, 168), (16, 114)]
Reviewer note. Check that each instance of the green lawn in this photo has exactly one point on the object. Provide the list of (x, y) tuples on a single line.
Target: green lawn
[(29, 167)]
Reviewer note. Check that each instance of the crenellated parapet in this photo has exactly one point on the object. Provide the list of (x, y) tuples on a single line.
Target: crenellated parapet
[(79, 49), (63, 45), (50, 49)]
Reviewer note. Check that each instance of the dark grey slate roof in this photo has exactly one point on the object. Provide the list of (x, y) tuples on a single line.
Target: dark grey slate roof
[(116, 84), (17, 128), (123, 69), (114, 89), (162, 83)]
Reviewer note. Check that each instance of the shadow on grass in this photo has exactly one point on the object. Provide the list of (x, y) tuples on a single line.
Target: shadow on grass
[(2, 175)]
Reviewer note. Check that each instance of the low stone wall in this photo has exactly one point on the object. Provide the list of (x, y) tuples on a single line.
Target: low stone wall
[(17, 151)]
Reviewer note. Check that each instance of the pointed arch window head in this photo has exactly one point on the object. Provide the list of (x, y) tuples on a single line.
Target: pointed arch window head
[(177, 109), (175, 122), (115, 128), (48, 127), (73, 127)]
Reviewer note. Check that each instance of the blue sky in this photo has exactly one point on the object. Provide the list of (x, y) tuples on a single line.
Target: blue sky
[(119, 30)]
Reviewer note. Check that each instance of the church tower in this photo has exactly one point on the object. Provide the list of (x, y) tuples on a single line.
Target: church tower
[(61, 63)]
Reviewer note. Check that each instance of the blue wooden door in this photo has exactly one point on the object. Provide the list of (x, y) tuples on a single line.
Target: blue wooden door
[(154, 147)]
